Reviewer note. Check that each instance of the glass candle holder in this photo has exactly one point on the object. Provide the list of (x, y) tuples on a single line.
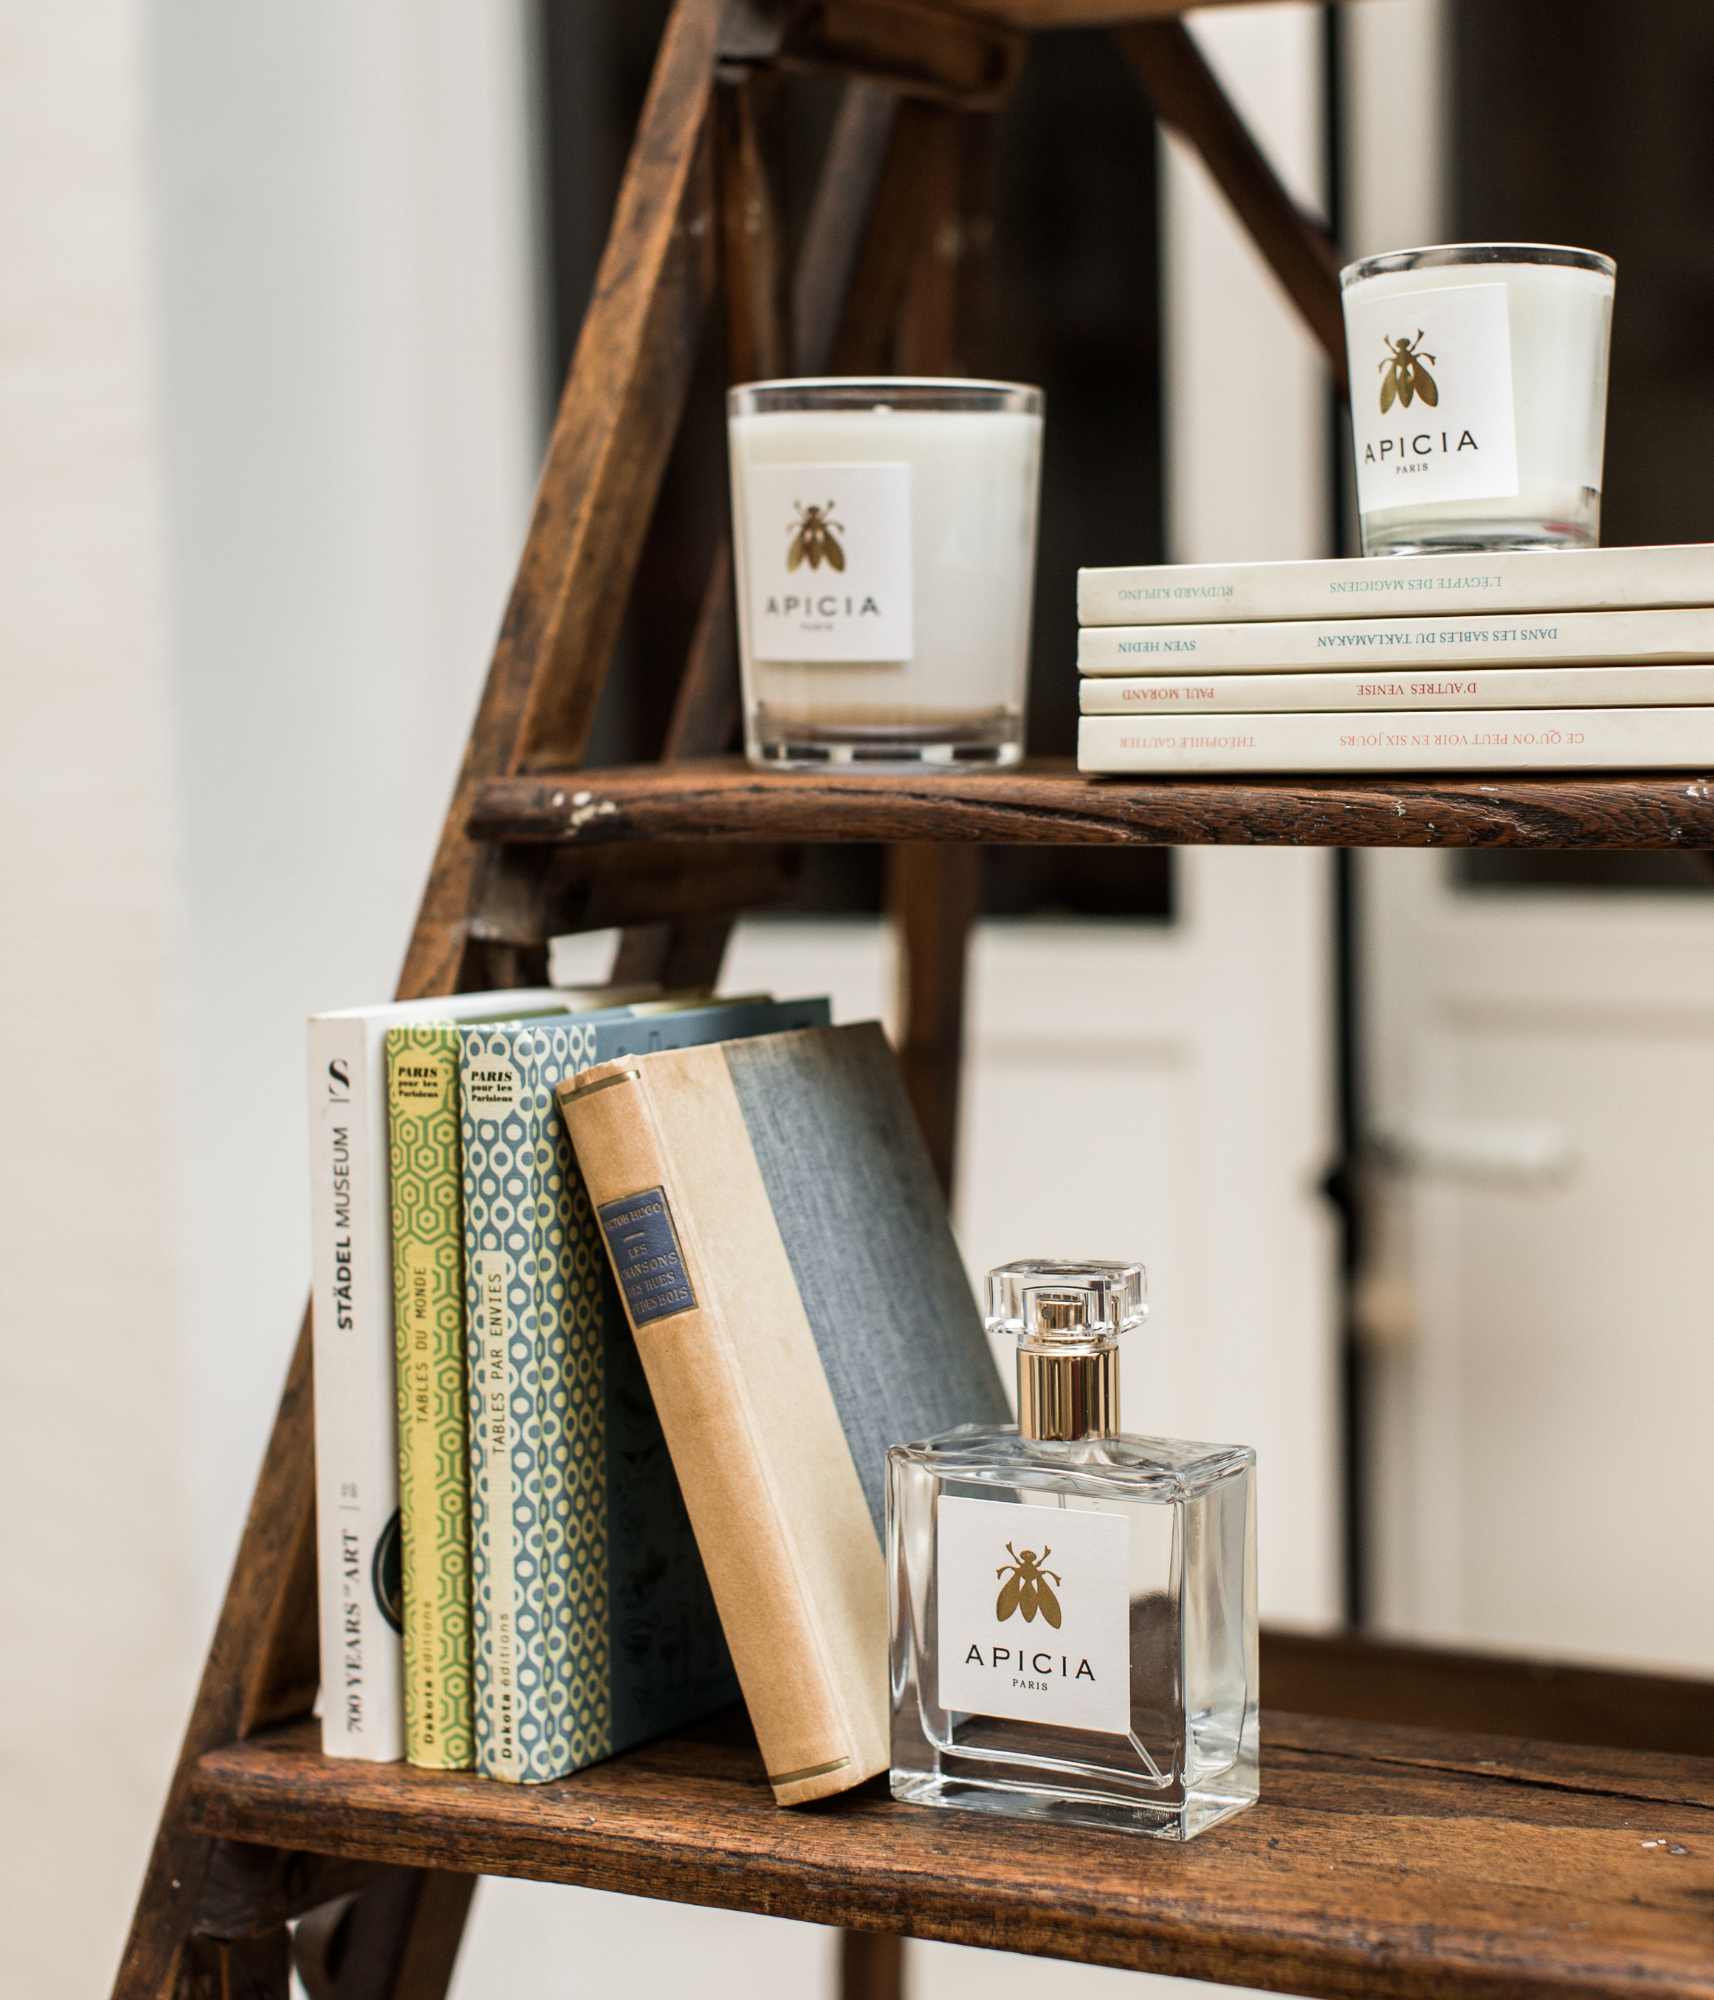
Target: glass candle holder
[(884, 538), (1478, 396)]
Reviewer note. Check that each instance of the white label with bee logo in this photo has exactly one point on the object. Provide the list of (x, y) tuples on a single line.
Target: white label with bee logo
[(827, 561), (1431, 396), (1034, 1613)]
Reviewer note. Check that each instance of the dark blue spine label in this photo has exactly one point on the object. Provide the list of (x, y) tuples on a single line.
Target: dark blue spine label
[(644, 1248)]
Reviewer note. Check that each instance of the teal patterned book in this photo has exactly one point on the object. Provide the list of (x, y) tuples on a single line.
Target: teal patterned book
[(594, 1626)]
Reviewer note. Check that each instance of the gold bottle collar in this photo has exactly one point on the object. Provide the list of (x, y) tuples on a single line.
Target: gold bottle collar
[(1067, 1391)]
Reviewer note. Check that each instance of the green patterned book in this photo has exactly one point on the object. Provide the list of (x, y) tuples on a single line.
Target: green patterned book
[(428, 1325), (593, 1623)]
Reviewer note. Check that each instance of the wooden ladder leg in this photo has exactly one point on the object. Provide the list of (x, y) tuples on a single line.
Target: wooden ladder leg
[(871, 1965), (1187, 96), (262, 1667), (252, 1968), (934, 890), (397, 1940), (933, 898), (923, 285), (760, 343), (616, 422), (705, 715)]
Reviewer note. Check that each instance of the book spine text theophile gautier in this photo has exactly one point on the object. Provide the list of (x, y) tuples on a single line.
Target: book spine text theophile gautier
[(1542, 739)]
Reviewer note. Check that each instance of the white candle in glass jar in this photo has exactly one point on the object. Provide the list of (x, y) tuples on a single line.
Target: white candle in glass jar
[(1479, 395), (884, 541)]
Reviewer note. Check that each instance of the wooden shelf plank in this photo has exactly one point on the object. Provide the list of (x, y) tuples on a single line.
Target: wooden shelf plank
[(1380, 1860), (1072, 13), (1047, 801)]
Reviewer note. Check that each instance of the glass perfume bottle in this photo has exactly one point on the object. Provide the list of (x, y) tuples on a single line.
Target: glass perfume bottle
[(1073, 1610)]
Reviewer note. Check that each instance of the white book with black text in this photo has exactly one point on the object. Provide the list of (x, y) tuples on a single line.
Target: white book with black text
[(1359, 645), (1470, 687), (356, 1415), (1504, 580), (1574, 739)]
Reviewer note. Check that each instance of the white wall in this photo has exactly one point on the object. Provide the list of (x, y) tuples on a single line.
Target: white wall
[(1395, 111), (1165, 1092), (1244, 382), (350, 379), (93, 1367), (268, 417)]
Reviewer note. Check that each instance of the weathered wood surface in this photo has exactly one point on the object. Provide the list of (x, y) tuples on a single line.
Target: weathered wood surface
[(688, 950), (934, 894), (1380, 1860), (398, 1940), (871, 1965), (917, 175), (919, 49), (856, 151), (1046, 800), (1188, 97), (1433, 1687), (1378, 1680), (252, 1968), (1074, 13), (752, 257), (262, 1667)]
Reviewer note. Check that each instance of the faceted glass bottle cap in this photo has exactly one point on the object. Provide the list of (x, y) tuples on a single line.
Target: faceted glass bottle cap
[(1046, 1300)]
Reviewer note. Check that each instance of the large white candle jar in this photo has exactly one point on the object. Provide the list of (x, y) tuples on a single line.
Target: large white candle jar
[(1478, 396), (884, 534)]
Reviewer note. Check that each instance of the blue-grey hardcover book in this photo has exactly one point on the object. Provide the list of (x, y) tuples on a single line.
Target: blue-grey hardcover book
[(593, 1622), (800, 1305)]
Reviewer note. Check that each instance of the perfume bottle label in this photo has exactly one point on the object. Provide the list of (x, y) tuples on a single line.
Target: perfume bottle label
[(828, 561), (1034, 1613), (1431, 396)]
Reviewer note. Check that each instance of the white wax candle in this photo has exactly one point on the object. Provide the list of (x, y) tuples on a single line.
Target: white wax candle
[(1510, 451), (885, 563)]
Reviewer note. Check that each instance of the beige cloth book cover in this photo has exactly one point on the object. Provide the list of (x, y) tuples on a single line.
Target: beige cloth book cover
[(787, 1264)]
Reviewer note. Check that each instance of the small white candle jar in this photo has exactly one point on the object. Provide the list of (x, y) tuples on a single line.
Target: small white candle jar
[(884, 537), (1478, 396)]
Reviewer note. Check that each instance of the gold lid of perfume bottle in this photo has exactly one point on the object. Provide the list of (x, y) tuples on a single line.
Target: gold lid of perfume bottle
[(1068, 1392), (1067, 1319)]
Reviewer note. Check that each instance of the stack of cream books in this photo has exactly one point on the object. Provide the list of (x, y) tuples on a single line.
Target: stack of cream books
[(1599, 659)]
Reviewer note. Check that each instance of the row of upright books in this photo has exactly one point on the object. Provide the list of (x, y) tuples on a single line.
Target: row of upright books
[(611, 1333), (1522, 659), (490, 1480)]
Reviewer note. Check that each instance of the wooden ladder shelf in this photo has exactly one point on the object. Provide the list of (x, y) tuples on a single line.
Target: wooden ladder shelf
[(1394, 1850)]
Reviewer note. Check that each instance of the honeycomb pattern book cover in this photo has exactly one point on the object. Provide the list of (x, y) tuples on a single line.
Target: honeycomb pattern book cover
[(594, 1626), (434, 1458)]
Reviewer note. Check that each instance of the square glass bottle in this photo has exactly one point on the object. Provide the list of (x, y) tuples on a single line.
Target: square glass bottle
[(1073, 1610)]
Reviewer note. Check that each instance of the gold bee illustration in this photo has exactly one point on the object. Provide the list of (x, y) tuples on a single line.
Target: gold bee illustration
[(1403, 374), (813, 540), (1026, 1589)]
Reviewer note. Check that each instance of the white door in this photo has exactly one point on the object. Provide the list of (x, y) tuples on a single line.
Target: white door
[(1160, 1091), (1163, 1091), (1538, 1309)]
